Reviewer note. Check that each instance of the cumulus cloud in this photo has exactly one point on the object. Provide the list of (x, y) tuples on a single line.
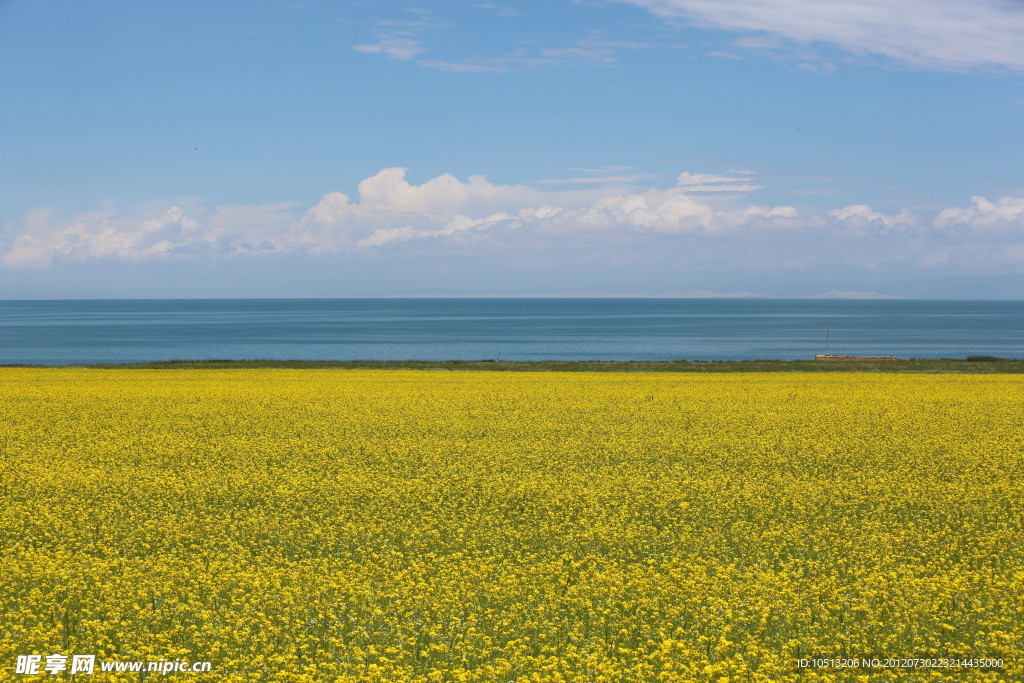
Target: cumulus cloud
[(173, 232), (704, 213), (393, 210), (388, 190), (942, 34), (95, 236), (861, 217), (984, 216)]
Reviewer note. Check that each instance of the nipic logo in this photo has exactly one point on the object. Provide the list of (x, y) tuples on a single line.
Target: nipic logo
[(33, 665), (55, 664)]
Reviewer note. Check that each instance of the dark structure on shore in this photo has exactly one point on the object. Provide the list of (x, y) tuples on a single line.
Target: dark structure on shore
[(825, 356)]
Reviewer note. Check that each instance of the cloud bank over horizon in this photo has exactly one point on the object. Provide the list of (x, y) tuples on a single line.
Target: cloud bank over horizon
[(705, 219)]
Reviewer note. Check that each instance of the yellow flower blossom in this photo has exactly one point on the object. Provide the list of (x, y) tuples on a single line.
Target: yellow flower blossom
[(328, 525)]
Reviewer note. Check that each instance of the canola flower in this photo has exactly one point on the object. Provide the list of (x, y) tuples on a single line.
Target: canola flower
[(324, 525)]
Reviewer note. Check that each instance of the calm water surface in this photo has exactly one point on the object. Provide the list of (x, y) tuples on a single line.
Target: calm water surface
[(108, 331)]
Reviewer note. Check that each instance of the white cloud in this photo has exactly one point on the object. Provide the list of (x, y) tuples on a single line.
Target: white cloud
[(985, 216), (173, 232), (96, 236), (863, 217), (455, 225), (392, 209), (942, 34), (385, 235), (702, 216), (388, 190)]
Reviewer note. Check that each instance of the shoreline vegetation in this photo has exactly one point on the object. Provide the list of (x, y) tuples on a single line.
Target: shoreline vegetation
[(970, 365)]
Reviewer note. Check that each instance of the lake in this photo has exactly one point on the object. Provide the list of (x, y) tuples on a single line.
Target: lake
[(121, 331)]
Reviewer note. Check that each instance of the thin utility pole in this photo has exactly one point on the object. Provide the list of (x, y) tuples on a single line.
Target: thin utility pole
[(827, 332)]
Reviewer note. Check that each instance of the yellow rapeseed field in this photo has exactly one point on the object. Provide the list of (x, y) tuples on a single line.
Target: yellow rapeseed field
[(327, 525)]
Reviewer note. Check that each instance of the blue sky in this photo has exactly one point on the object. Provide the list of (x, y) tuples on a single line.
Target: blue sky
[(645, 147)]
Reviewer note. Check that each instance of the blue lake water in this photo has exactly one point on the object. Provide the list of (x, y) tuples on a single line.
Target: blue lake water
[(117, 331)]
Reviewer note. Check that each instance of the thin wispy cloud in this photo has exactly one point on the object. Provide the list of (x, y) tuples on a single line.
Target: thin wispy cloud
[(706, 182), (402, 39), (482, 65), (590, 51), (604, 176), (500, 10), (625, 179), (394, 46), (937, 34), (405, 39)]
